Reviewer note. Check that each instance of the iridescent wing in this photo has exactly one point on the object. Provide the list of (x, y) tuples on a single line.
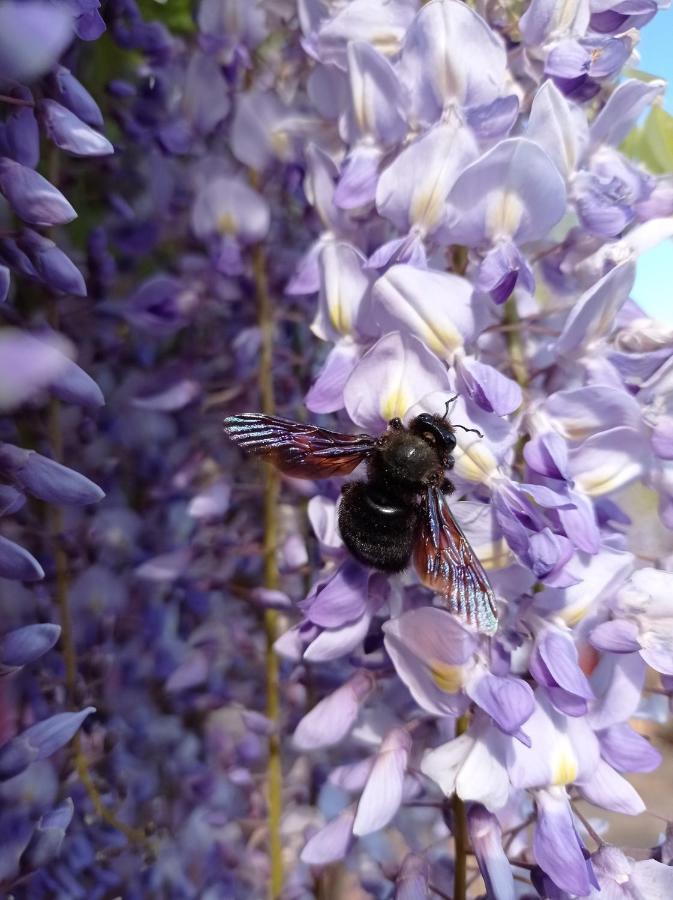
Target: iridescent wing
[(296, 448), (447, 564)]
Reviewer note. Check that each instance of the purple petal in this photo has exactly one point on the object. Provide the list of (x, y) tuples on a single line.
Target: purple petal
[(21, 136), (607, 789), (382, 794), (580, 524), (32, 197), (412, 880), (24, 645), (333, 643), (376, 96), (212, 502), (11, 500), (71, 93), (47, 840), (503, 267), (166, 567), (608, 55), (412, 190), (331, 719), (353, 776), (547, 454), (495, 120), (579, 413), (428, 647), (359, 177), (486, 840), (487, 387), (451, 57), (51, 264), (622, 110), (344, 285), (652, 879), (228, 206), (408, 299), (408, 249), (326, 392), (192, 672), (627, 751), (509, 701), (332, 842), (609, 461), (662, 437), (617, 682), (258, 119), (397, 372), (39, 741), (18, 564), (33, 34), (205, 99), (559, 654), (553, 126), (47, 479), (556, 845), (601, 208), (341, 599), (544, 18), (514, 191), (28, 364), (616, 636), (70, 133), (567, 59), (174, 393), (594, 312)]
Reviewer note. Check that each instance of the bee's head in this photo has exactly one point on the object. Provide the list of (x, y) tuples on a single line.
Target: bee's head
[(437, 432)]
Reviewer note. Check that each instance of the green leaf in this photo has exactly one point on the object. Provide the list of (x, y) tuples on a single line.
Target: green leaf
[(652, 143), (178, 15)]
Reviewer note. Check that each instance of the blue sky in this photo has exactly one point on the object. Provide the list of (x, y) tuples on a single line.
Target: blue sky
[(655, 269)]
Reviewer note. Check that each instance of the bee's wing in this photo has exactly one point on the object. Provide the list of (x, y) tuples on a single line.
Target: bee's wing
[(447, 564), (296, 448)]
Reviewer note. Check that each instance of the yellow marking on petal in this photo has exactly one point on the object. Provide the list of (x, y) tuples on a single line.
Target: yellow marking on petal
[(441, 338), (427, 205), (494, 555), (573, 615), (338, 310), (226, 224), (503, 214), (280, 142), (608, 477), (395, 404), (565, 15), (564, 764), (475, 463), (447, 678)]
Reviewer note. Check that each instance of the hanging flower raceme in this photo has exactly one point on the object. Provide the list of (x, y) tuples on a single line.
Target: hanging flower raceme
[(378, 210)]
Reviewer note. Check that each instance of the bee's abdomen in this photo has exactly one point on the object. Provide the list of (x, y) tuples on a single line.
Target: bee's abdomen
[(378, 528)]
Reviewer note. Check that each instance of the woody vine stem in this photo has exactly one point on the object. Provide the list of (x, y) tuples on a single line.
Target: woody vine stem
[(271, 580)]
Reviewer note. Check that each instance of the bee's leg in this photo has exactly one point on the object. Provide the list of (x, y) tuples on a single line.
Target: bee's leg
[(396, 424), (447, 486)]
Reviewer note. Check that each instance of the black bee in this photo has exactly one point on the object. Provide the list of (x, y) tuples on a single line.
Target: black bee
[(398, 512)]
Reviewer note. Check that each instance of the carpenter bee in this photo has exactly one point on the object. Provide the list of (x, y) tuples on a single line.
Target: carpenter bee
[(399, 512)]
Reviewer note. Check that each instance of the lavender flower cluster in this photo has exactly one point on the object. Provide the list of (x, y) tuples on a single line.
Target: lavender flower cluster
[(447, 179)]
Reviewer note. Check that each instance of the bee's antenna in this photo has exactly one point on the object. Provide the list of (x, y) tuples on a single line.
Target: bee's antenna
[(473, 430), (448, 404)]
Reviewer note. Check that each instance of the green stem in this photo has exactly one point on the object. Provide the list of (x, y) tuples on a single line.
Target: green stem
[(461, 844), (61, 588), (271, 579), (515, 346)]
